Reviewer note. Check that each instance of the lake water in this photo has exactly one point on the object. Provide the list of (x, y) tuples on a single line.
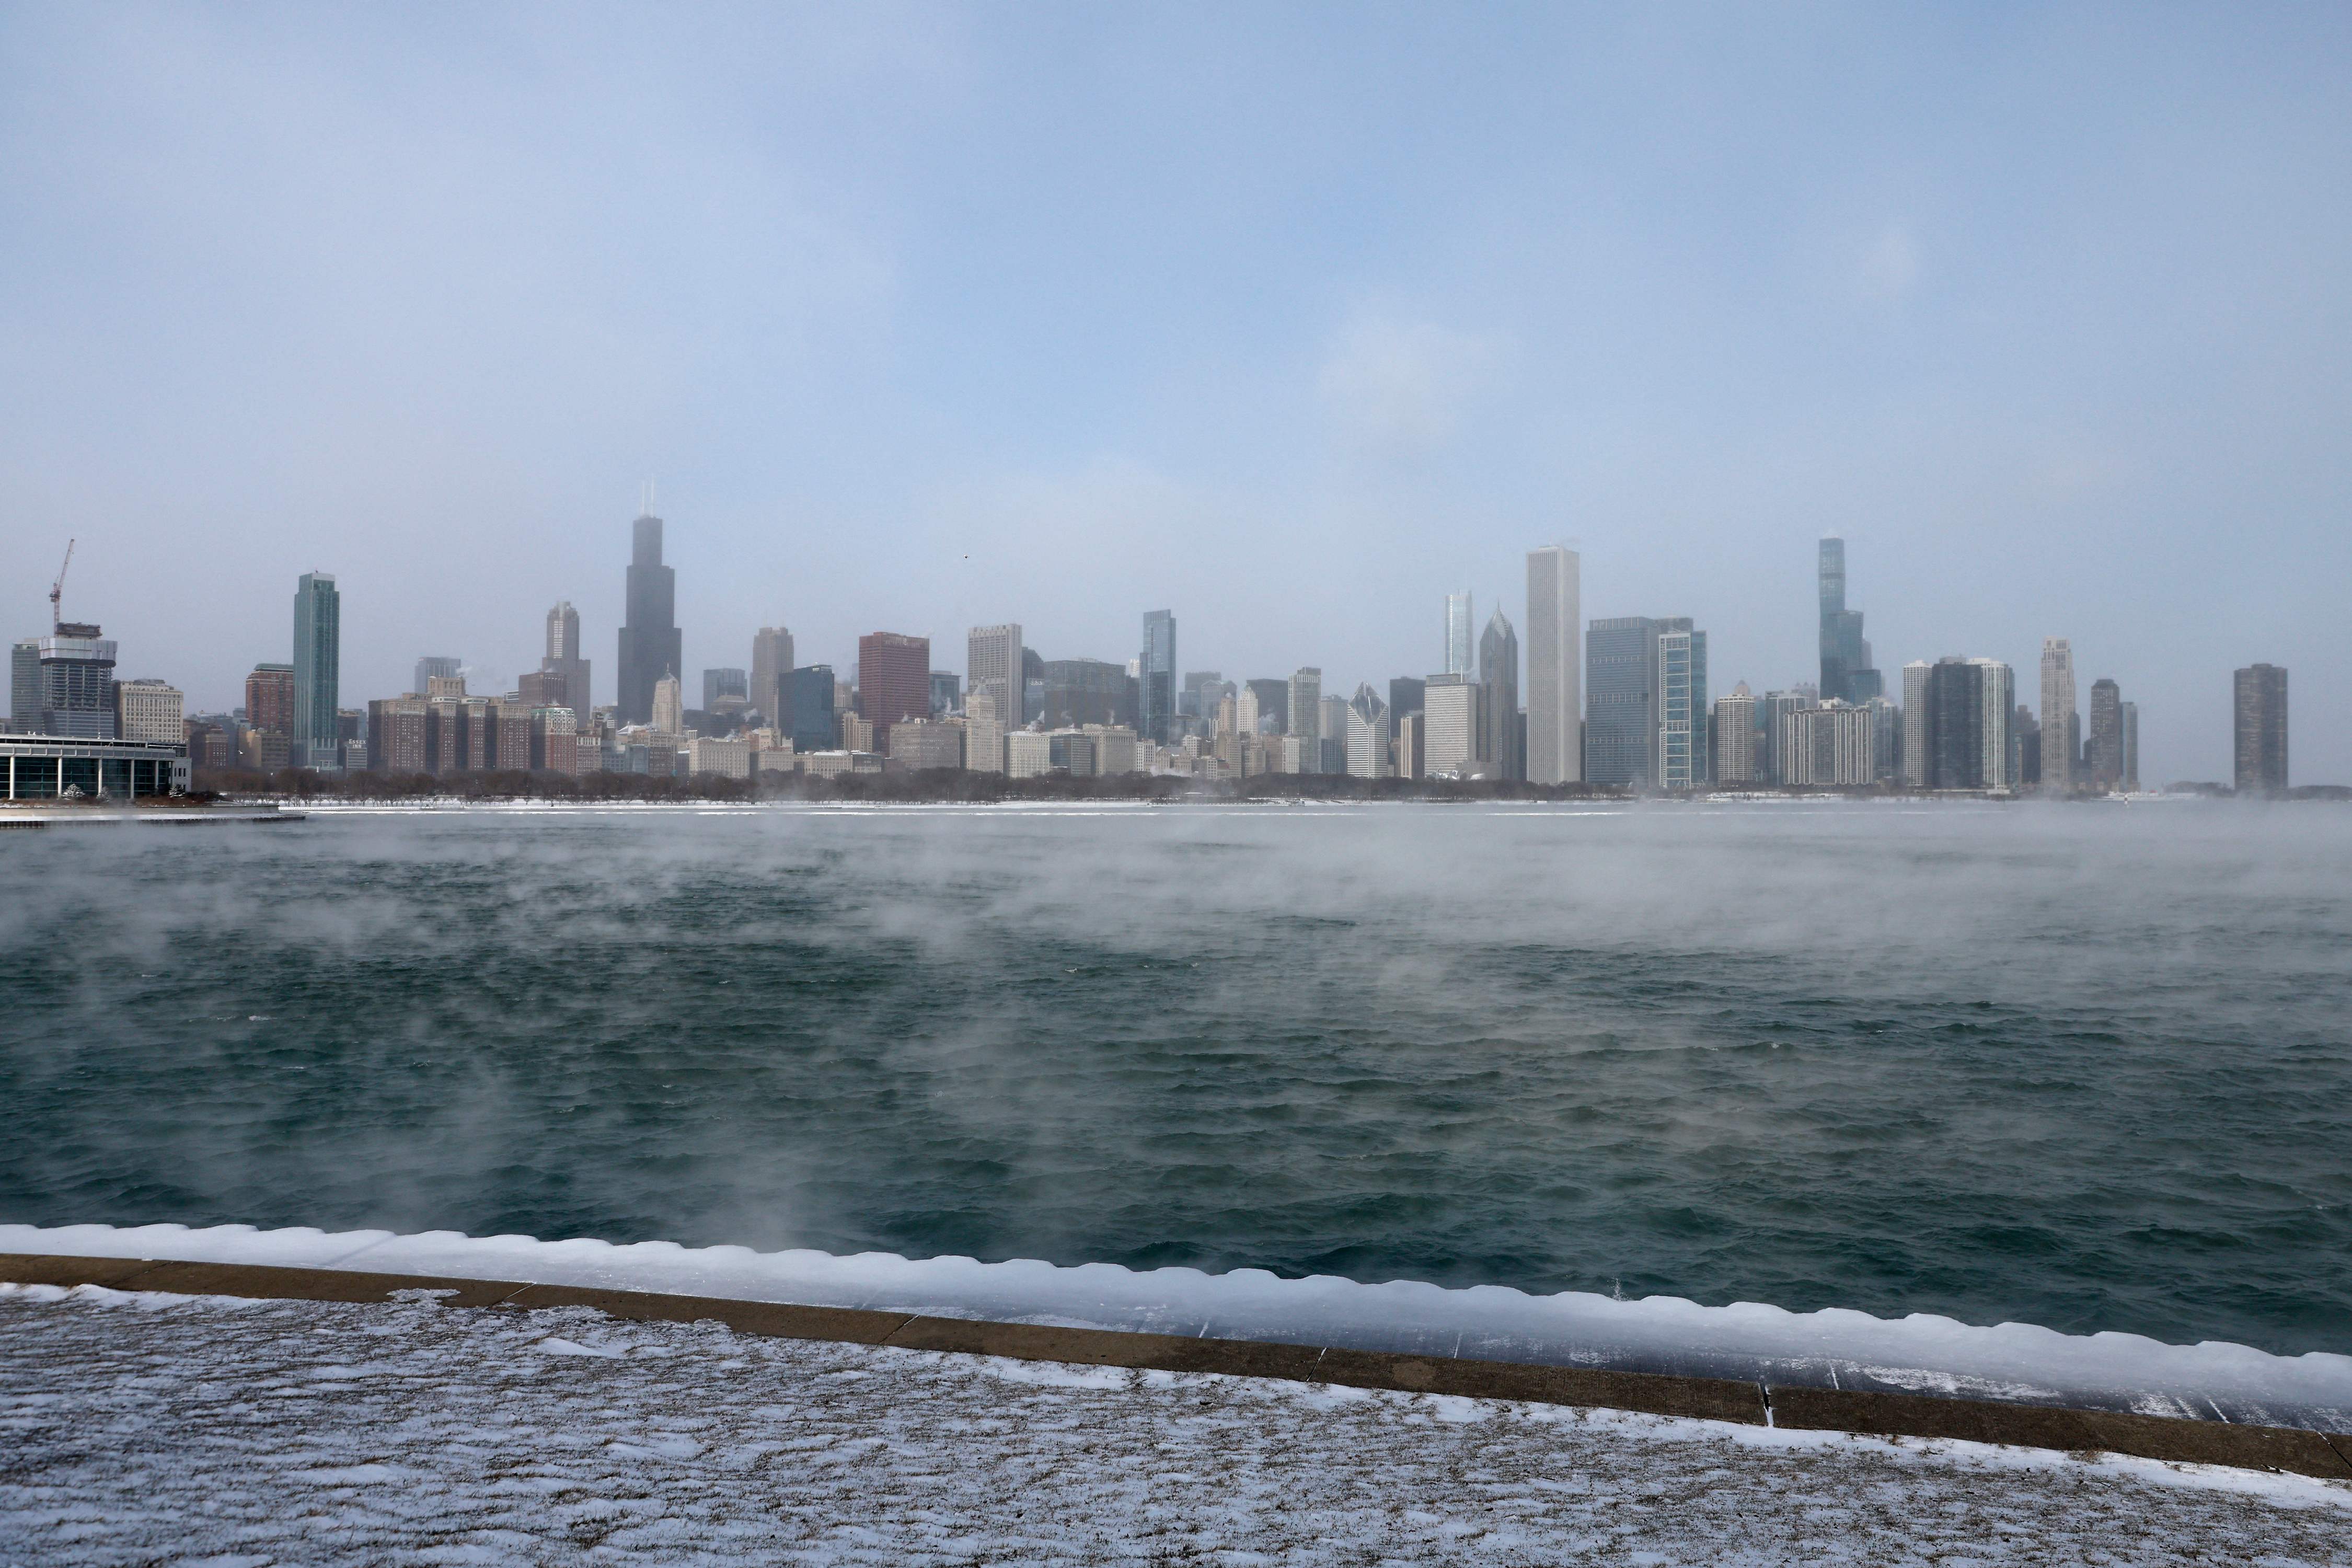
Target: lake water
[(2085, 1067)]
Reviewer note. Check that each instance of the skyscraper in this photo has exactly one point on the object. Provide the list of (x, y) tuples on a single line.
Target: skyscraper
[(651, 646), (1457, 635), (1404, 700), (772, 660), (2103, 758), (1555, 685), (563, 659), (727, 689), (1156, 678), (317, 640), (1914, 723), (2261, 729), (1966, 716), (2131, 748), (1368, 735), (1273, 705), (667, 712), (1736, 754), (2062, 729), (1678, 740), (1498, 684), (808, 708), (435, 666), (1452, 731), (1080, 691), (1846, 672), (993, 666), (1303, 708), (76, 681), (269, 699), (1620, 656), (894, 680), (25, 686)]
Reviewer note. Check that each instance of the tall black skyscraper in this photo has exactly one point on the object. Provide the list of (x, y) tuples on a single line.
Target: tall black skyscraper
[(650, 645), (1846, 672)]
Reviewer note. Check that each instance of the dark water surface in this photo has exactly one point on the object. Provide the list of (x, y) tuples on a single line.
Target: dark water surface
[(2089, 1067)]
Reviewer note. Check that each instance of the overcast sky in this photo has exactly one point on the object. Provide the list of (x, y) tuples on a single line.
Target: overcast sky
[(1287, 318)]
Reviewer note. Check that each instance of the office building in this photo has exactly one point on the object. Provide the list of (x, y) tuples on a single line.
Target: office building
[(726, 690), (668, 713), (894, 680), (2102, 752), (25, 686), (1028, 754), (2260, 730), (151, 712), (2061, 731), (947, 693), (37, 767), (561, 657), (1619, 663), (1273, 705), (1333, 736), (1454, 718), (984, 733), (1368, 735), (1458, 635), (650, 644), (1732, 736), (1303, 705), (1156, 679), (992, 668), (1831, 744), (1243, 706), (1404, 700), (923, 743), (1678, 739), (2131, 748), (544, 688), (1411, 760), (317, 664), (1499, 689), (808, 719), (1080, 691), (1033, 686), (772, 660), (1116, 749), (1555, 689), (1071, 752), (435, 667), (1847, 675), (857, 731)]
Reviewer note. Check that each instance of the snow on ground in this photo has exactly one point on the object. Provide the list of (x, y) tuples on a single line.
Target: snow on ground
[(150, 1428)]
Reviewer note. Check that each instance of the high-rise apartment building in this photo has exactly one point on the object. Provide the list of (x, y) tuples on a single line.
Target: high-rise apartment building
[(2260, 730), (993, 667), (894, 680), (1156, 679), (772, 660), (25, 686), (1555, 682), (1459, 635), (269, 699), (2103, 755), (1498, 685), (318, 666), (1847, 675), (561, 657), (2062, 728), (1964, 713), (76, 664), (1915, 769), (1733, 738), (1771, 709), (651, 645), (1829, 744)]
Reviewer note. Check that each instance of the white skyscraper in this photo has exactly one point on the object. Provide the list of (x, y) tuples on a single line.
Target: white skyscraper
[(1368, 735), (2061, 730), (1458, 648), (993, 665), (1453, 734), (1914, 722), (669, 706), (1555, 677)]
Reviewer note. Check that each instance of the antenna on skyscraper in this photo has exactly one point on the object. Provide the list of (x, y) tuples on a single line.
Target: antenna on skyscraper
[(58, 588)]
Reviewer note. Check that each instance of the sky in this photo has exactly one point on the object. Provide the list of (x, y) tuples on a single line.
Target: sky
[(1288, 319)]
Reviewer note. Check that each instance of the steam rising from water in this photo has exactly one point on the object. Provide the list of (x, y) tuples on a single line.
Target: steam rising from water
[(2083, 1068)]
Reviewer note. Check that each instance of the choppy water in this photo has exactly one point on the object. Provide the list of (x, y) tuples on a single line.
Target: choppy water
[(2085, 1067)]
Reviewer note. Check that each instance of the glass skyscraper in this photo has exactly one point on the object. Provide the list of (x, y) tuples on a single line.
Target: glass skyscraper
[(651, 645), (1156, 678), (1846, 672), (317, 664)]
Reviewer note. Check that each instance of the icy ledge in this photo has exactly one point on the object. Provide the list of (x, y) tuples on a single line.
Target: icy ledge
[(1920, 1353)]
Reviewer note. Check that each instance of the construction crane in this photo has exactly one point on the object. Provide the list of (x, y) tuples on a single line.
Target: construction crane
[(58, 588)]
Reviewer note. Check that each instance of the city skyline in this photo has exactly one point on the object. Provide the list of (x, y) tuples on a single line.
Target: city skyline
[(910, 320)]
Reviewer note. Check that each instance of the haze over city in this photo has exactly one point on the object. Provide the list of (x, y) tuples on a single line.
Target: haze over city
[(926, 318)]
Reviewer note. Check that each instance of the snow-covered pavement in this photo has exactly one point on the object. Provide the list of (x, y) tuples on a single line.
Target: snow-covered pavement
[(142, 1428)]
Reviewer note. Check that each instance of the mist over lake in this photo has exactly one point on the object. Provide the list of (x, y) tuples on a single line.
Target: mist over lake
[(2088, 1068)]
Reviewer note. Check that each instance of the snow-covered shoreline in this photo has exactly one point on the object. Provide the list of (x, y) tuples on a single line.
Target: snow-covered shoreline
[(1921, 1353)]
